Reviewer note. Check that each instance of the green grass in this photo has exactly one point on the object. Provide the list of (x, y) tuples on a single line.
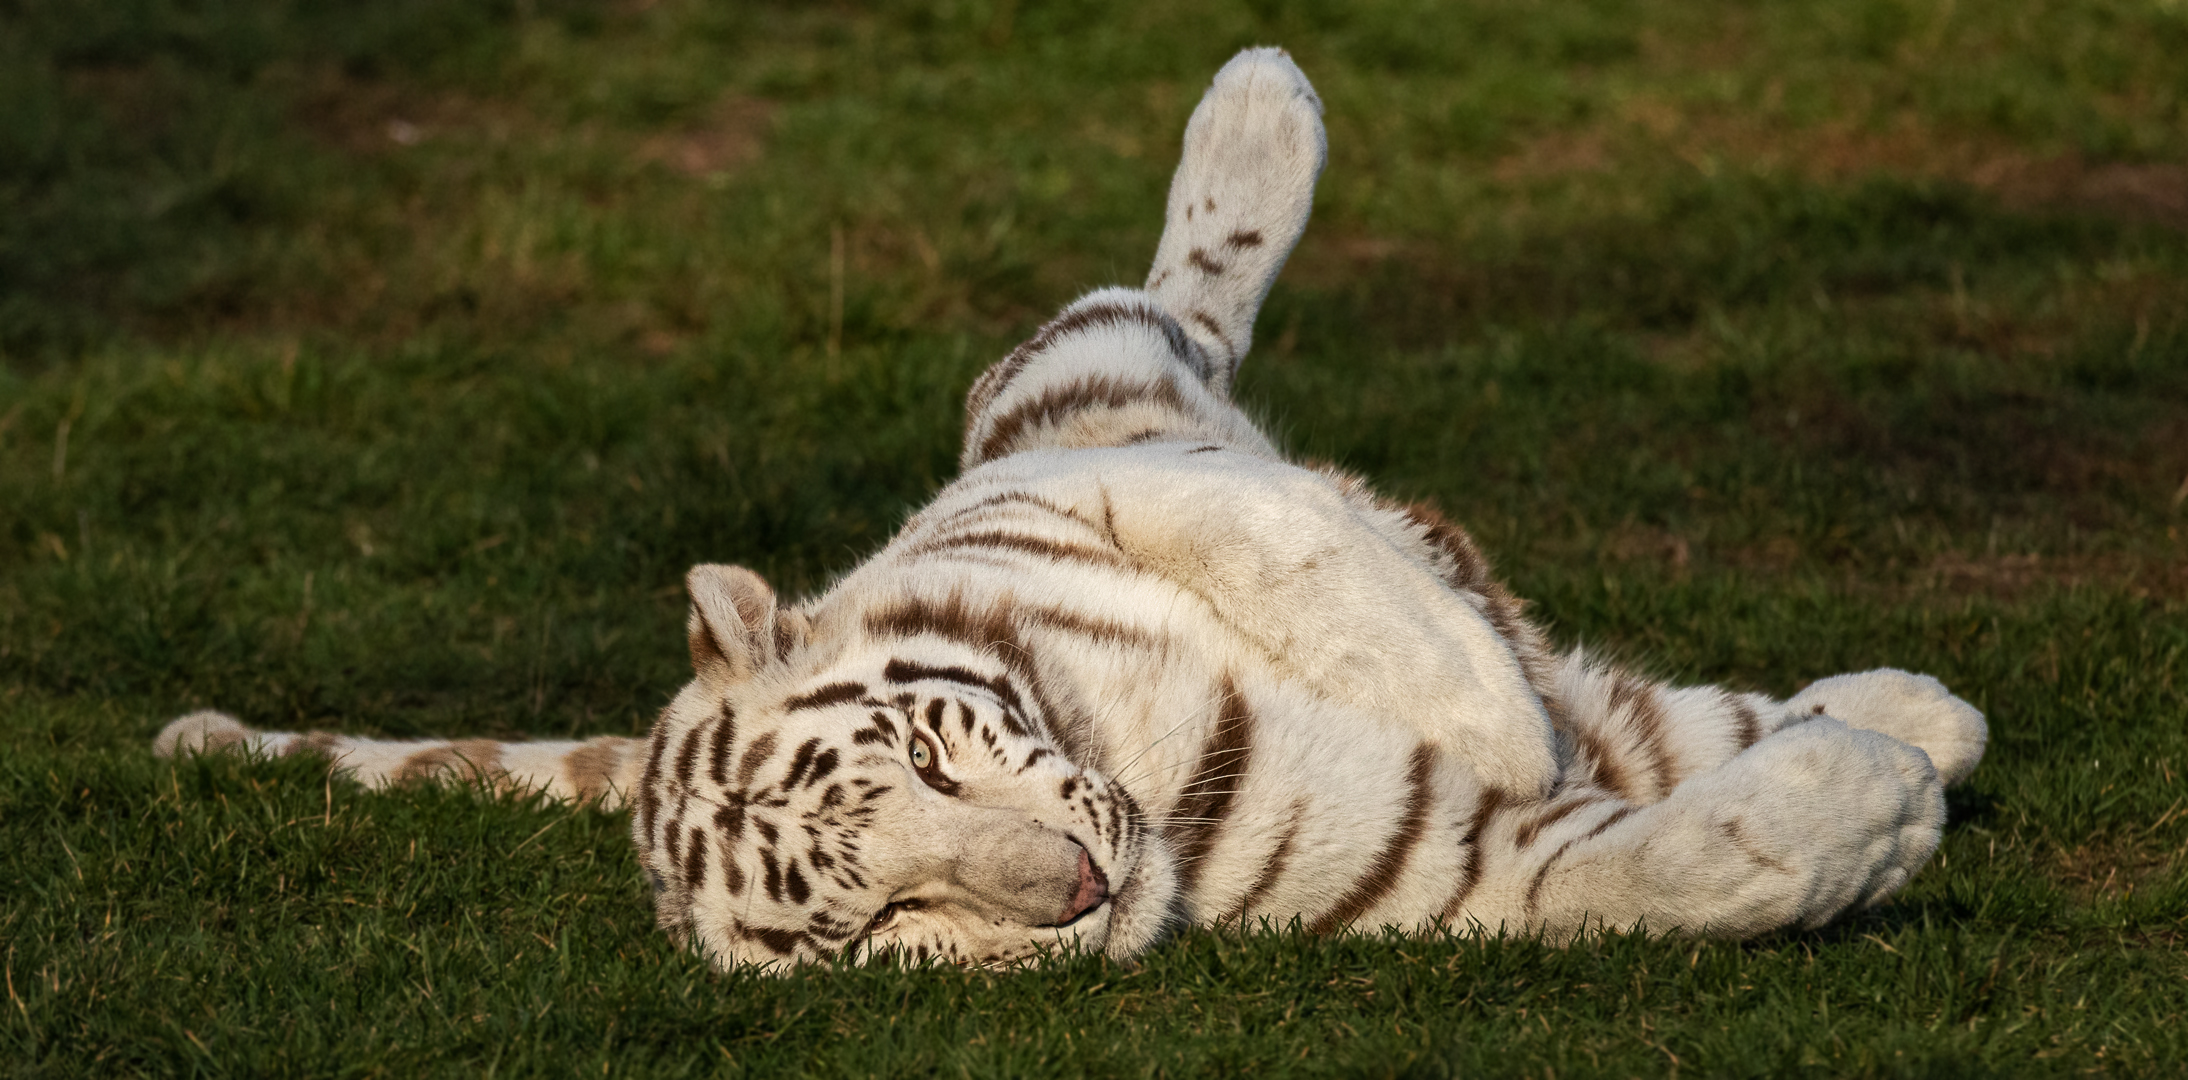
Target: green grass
[(381, 366)]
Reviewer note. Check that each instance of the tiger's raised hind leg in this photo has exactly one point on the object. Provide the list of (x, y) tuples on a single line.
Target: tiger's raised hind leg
[(1238, 203), (1124, 366)]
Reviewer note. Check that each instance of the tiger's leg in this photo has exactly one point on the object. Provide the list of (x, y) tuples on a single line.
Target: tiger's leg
[(1793, 831), (1123, 366), (1238, 203), (1639, 738), (596, 771)]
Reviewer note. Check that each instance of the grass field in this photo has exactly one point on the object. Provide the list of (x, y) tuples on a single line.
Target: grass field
[(382, 365)]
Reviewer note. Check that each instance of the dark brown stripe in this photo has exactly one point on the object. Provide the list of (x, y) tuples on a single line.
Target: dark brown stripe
[(1243, 238), (687, 755), (1087, 626), (1206, 801), (467, 760), (997, 379), (771, 874), (1534, 888), (1009, 498), (755, 755), (1272, 870), (1747, 726), (1215, 329), (779, 942), (787, 633), (725, 735), (324, 743), (1468, 569), (591, 768), (801, 760), (1078, 395), (988, 628), (1486, 807), (1639, 699), (1383, 873), (1527, 833), (823, 765), (734, 874), (649, 790), (695, 861), (1747, 847), (1031, 545), (1608, 775), (730, 821), (821, 926), (831, 694), (1198, 259)]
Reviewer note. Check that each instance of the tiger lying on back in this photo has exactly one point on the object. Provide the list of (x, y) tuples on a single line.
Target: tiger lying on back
[(1134, 669)]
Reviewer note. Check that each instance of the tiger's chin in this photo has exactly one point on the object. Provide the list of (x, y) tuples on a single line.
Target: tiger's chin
[(1145, 906)]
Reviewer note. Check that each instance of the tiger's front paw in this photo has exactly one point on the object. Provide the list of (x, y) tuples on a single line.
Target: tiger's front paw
[(1915, 709), (1860, 811), (1804, 825)]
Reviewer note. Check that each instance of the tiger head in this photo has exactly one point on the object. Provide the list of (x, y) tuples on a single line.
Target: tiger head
[(843, 787)]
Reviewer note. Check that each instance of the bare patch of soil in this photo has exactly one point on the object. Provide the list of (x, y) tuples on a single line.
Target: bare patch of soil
[(731, 135), (371, 118), (2111, 869), (2011, 576), (1908, 147), (1633, 542)]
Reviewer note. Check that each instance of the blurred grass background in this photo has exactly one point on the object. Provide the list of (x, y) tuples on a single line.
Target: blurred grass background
[(382, 366)]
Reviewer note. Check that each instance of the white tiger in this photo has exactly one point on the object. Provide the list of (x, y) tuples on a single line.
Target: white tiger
[(1135, 670)]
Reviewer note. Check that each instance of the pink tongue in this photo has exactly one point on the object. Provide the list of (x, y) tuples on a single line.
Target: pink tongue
[(1093, 889)]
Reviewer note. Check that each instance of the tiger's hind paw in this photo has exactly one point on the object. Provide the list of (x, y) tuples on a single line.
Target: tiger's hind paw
[(1238, 202)]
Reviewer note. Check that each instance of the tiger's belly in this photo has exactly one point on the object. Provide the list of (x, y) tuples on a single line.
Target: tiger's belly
[(1248, 566)]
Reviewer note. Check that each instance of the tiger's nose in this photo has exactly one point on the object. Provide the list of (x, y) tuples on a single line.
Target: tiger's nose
[(1093, 888)]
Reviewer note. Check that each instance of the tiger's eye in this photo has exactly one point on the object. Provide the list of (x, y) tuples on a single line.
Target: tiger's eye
[(921, 756)]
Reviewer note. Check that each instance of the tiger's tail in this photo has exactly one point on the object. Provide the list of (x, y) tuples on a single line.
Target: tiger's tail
[(1238, 202), (597, 771)]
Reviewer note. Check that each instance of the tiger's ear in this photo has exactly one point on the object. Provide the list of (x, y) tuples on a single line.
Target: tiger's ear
[(736, 628)]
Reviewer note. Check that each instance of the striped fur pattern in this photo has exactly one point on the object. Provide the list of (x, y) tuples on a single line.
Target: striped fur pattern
[(1135, 669)]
